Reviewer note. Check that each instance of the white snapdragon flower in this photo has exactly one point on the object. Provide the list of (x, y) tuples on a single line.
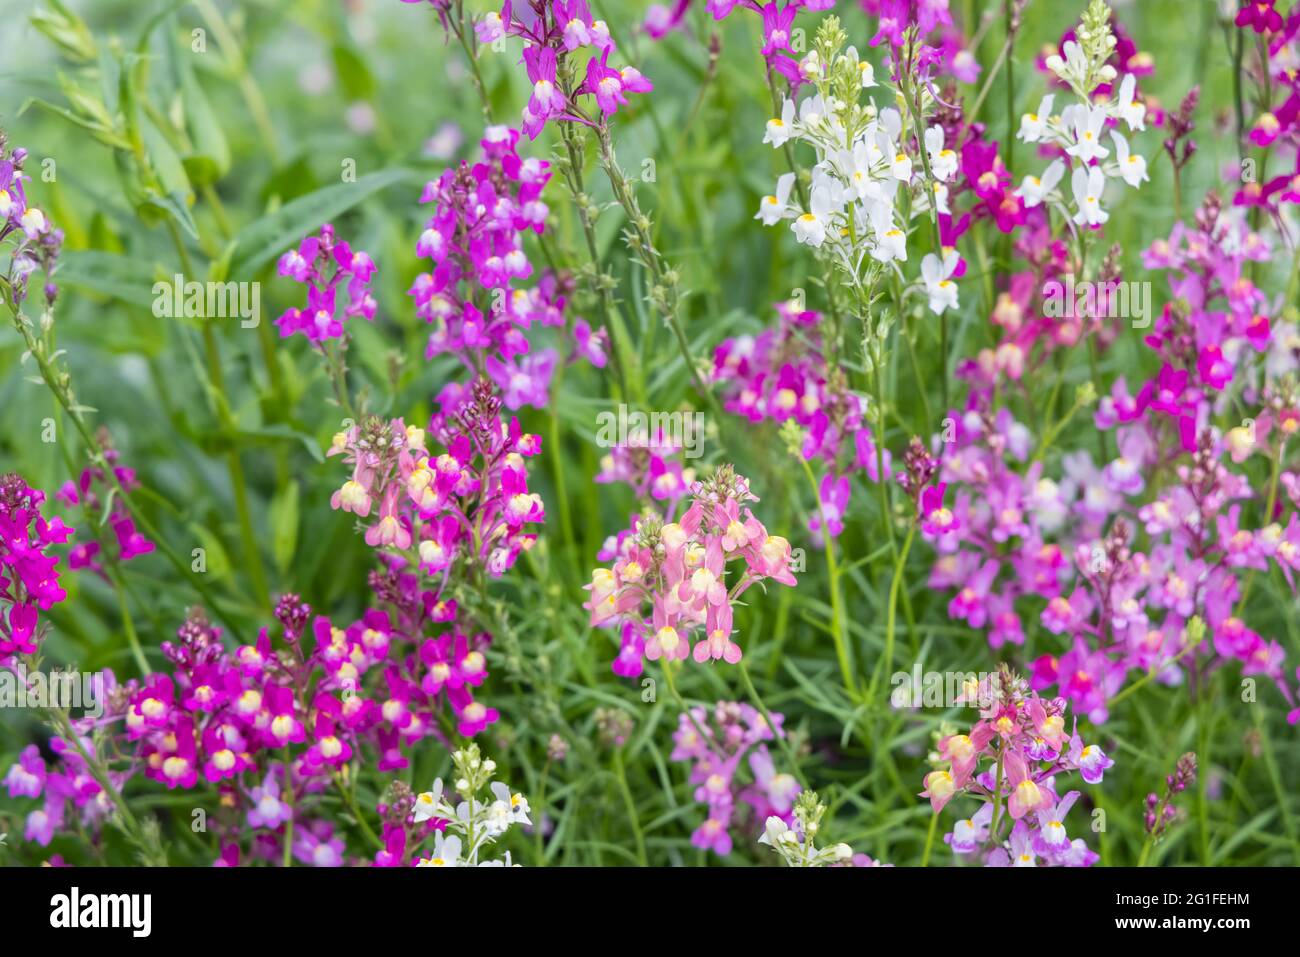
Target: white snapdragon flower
[(1088, 124), (1034, 125), (776, 207), (1088, 185), (446, 852), (810, 228), (1132, 168), (901, 167), (429, 804), (943, 162), (1072, 66), (1130, 110), (1034, 190), (776, 833), (937, 273), (781, 128), (813, 116), (856, 166), (941, 199), (891, 242), (516, 802), (810, 67)]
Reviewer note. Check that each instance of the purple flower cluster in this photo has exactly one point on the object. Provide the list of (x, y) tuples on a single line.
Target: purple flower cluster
[(718, 742), (327, 698), (37, 243), (29, 578), (1023, 738), (1064, 550), (322, 263), (475, 240), (551, 33), (87, 490), (651, 464), (467, 508)]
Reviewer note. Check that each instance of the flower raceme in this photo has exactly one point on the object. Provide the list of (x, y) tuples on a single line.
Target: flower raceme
[(36, 242), (466, 828), (475, 240), (227, 721), (323, 263), (1023, 740), (470, 503), (669, 579), (553, 33), (1084, 137), (733, 737), (29, 578), (867, 171)]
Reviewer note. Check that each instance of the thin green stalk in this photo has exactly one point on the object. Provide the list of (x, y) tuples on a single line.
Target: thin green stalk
[(1202, 779), (460, 25), (338, 370), (886, 665), (882, 486), (1275, 778), (558, 467), (929, 839), (1149, 676), (287, 856), (997, 796), (632, 816), (1009, 19), (128, 625), (1003, 54), (145, 840), (781, 738), (832, 567), (600, 285), (351, 802)]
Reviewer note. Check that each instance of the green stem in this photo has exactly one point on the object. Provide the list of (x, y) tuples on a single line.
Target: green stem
[(632, 817), (128, 625), (1275, 778), (350, 801), (781, 737), (460, 26), (832, 567), (997, 796), (287, 856), (891, 620), (1149, 676), (234, 466), (151, 852), (600, 286), (929, 839)]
